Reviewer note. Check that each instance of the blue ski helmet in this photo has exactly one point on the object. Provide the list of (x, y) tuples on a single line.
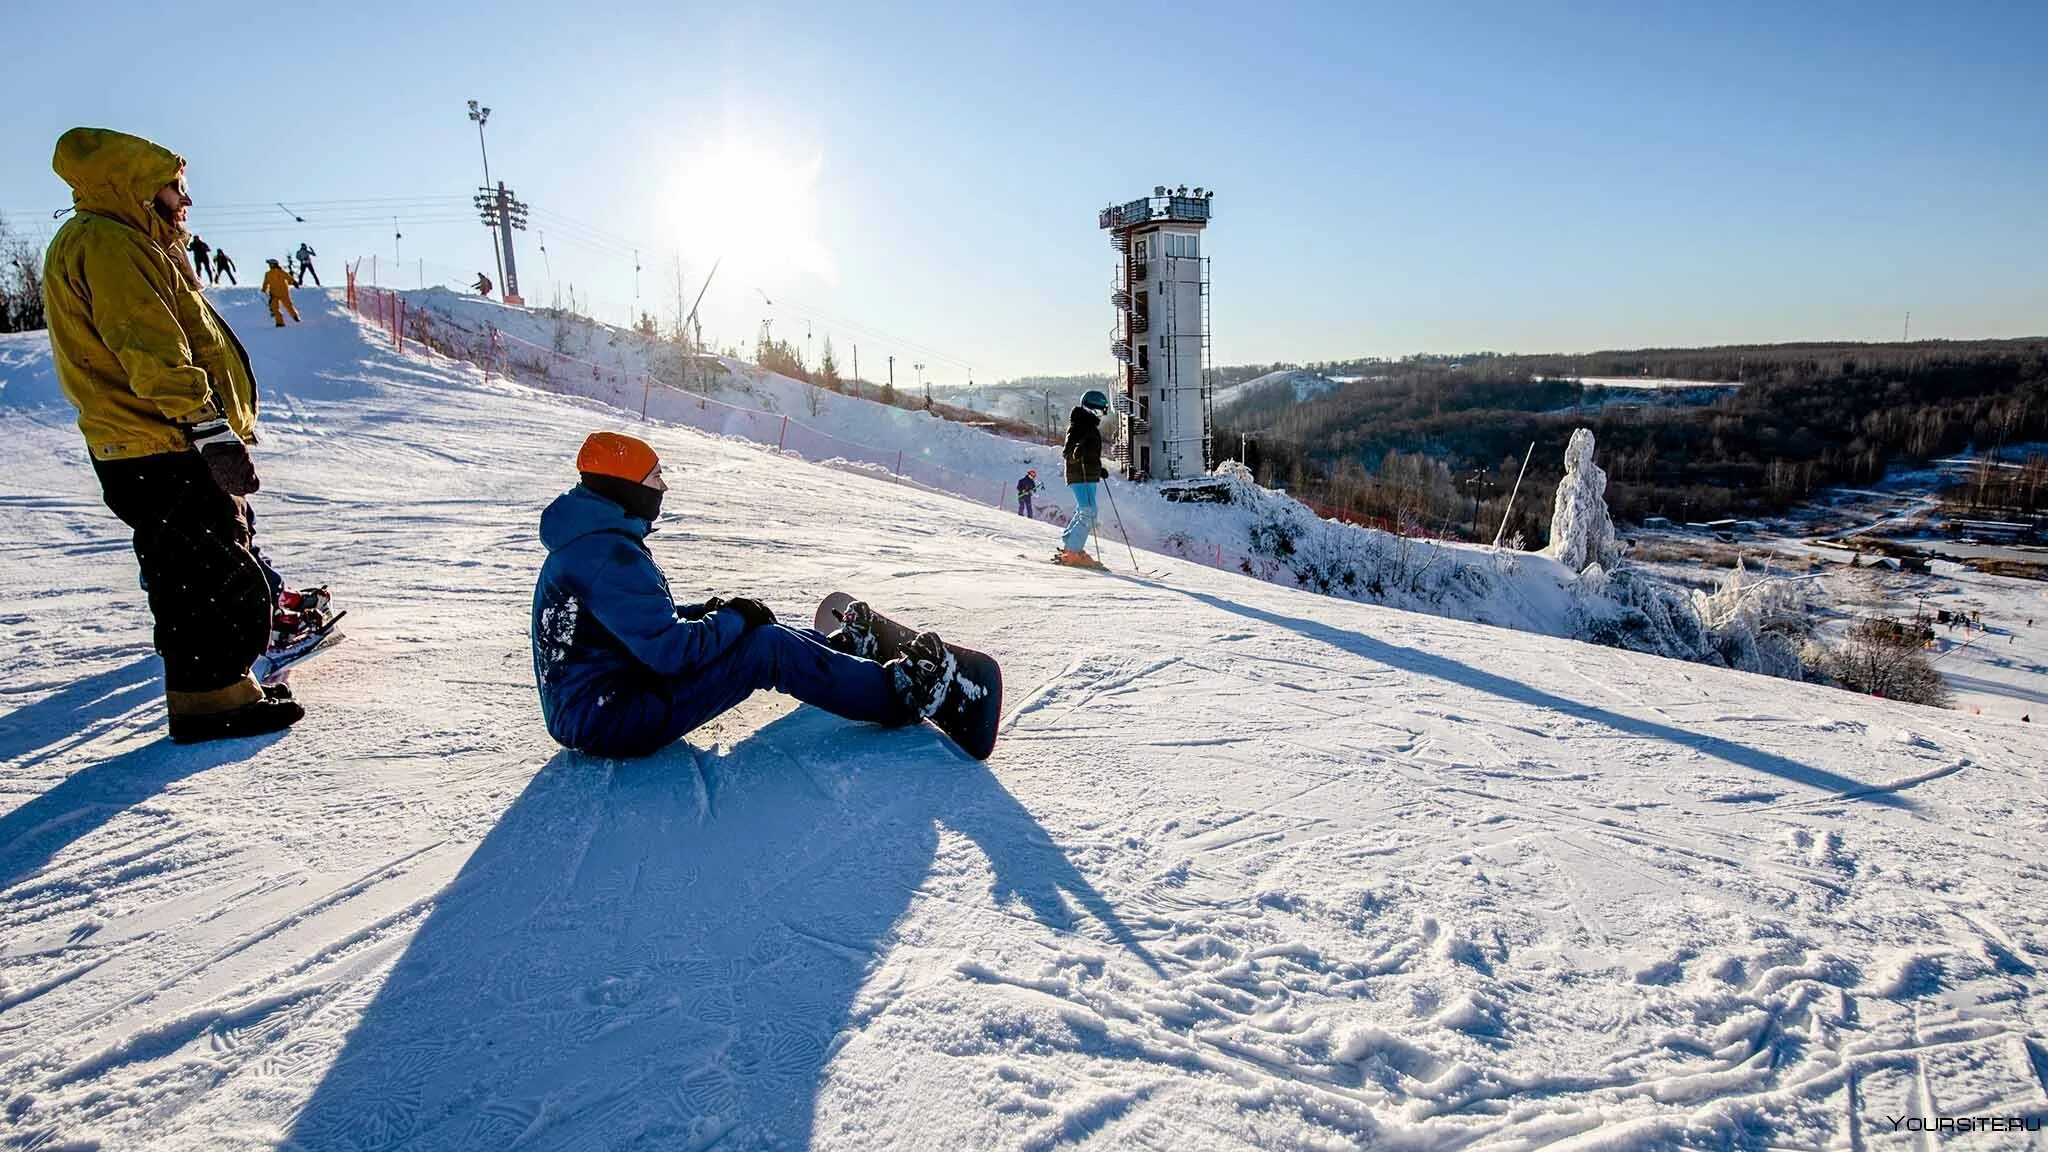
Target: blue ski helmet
[(1096, 399)]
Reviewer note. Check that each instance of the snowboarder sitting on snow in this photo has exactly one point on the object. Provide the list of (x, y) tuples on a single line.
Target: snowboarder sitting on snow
[(1084, 472), (277, 285), (483, 285), (167, 403), (1026, 488), (624, 670)]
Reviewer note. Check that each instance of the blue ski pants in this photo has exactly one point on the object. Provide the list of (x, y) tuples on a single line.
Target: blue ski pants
[(1076, 538), (639, 718)]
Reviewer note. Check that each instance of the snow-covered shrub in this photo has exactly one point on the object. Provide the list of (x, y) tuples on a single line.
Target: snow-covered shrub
[(1581, 531)]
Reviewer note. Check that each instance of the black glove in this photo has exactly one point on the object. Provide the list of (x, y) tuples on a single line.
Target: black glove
[(225, 455), (700, 611), (750, 610)]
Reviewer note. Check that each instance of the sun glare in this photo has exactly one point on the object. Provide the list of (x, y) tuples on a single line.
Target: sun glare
[(752, 206)]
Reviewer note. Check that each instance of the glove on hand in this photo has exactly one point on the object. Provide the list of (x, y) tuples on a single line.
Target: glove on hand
[(225, 455), (700, 611), (750, 610)]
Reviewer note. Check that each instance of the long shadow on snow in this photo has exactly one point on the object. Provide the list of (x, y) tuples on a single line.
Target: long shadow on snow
[(83, 801), (75, 707), (620, 965), (1444, 668)]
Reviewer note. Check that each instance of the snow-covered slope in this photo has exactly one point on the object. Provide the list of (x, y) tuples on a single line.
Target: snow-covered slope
[(1295, 385), (1250, 868), (1259, 532)]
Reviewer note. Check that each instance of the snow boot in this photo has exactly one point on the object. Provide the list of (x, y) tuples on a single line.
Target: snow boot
[(255, 718), (924, 674), (855, 635)]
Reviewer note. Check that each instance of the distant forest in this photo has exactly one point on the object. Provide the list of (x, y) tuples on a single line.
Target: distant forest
[(1436, 442)]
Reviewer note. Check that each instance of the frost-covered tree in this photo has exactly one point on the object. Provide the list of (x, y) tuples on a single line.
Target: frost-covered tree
[(1581, 531)]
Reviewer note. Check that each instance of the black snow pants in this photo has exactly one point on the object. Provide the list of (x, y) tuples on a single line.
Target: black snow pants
[(207, 591), (305, 270)]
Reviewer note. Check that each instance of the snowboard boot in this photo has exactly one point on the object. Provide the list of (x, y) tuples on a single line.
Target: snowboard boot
[(256, 718), (313, 602), (855, 635), (277, 691), (924, 673)]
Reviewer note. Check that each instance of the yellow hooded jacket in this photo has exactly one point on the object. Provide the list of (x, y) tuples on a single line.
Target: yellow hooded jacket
[(139, 351)]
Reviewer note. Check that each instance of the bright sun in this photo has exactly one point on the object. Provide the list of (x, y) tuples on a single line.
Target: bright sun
[(755, 208)]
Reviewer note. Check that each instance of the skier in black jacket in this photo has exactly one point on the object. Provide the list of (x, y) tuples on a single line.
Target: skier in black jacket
[(200, 250), (222, 266), (1084, 471)]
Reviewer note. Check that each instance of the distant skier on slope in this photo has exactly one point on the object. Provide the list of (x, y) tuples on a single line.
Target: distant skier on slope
[(277, 286), (305, 256), (200, 251), (1084, 471), (623, 670), (483, 285), (1026, 488), (167, 402), (222, 266)]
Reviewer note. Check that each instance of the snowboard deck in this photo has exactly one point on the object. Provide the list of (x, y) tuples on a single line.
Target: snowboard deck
[(973, 707), (271, 667)]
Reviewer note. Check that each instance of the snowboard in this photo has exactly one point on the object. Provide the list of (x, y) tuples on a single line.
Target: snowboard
[(973, 707), (271, 666)]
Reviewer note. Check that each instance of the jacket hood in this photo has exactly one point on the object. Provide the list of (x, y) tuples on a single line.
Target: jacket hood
[(579, 512), (1081, 415), (114, 174)]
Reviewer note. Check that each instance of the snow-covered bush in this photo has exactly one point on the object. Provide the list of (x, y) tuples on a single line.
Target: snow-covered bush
[(1581, 531)]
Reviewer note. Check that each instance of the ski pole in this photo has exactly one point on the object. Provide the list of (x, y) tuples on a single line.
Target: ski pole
[(1119, 525)]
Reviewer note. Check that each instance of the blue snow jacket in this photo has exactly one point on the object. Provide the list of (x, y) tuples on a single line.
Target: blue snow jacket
[(603, 619)]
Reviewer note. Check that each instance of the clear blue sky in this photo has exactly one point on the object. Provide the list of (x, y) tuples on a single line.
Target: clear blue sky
[(1390, 178)]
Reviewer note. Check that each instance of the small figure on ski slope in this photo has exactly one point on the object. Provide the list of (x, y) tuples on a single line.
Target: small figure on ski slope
[(1084, 471), (1027, 487), (166, 401), (222, 266), (483, 285), (623, 670), (277, 286), (201, 250), (305, 256)]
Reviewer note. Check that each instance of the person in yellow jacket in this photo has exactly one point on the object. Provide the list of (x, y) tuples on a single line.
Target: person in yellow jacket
[(277, 285), (167, 404)]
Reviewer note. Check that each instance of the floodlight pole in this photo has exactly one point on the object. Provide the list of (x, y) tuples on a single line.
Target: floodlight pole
[(480, 116)]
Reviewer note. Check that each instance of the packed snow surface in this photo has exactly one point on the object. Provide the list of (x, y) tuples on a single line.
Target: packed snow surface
[(1250, 868)]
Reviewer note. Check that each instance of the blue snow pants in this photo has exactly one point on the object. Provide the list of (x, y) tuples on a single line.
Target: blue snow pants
[(1076, 538), (638, 718)]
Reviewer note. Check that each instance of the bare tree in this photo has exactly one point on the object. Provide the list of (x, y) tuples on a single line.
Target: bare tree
[(21, 282), (1888, 658)]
